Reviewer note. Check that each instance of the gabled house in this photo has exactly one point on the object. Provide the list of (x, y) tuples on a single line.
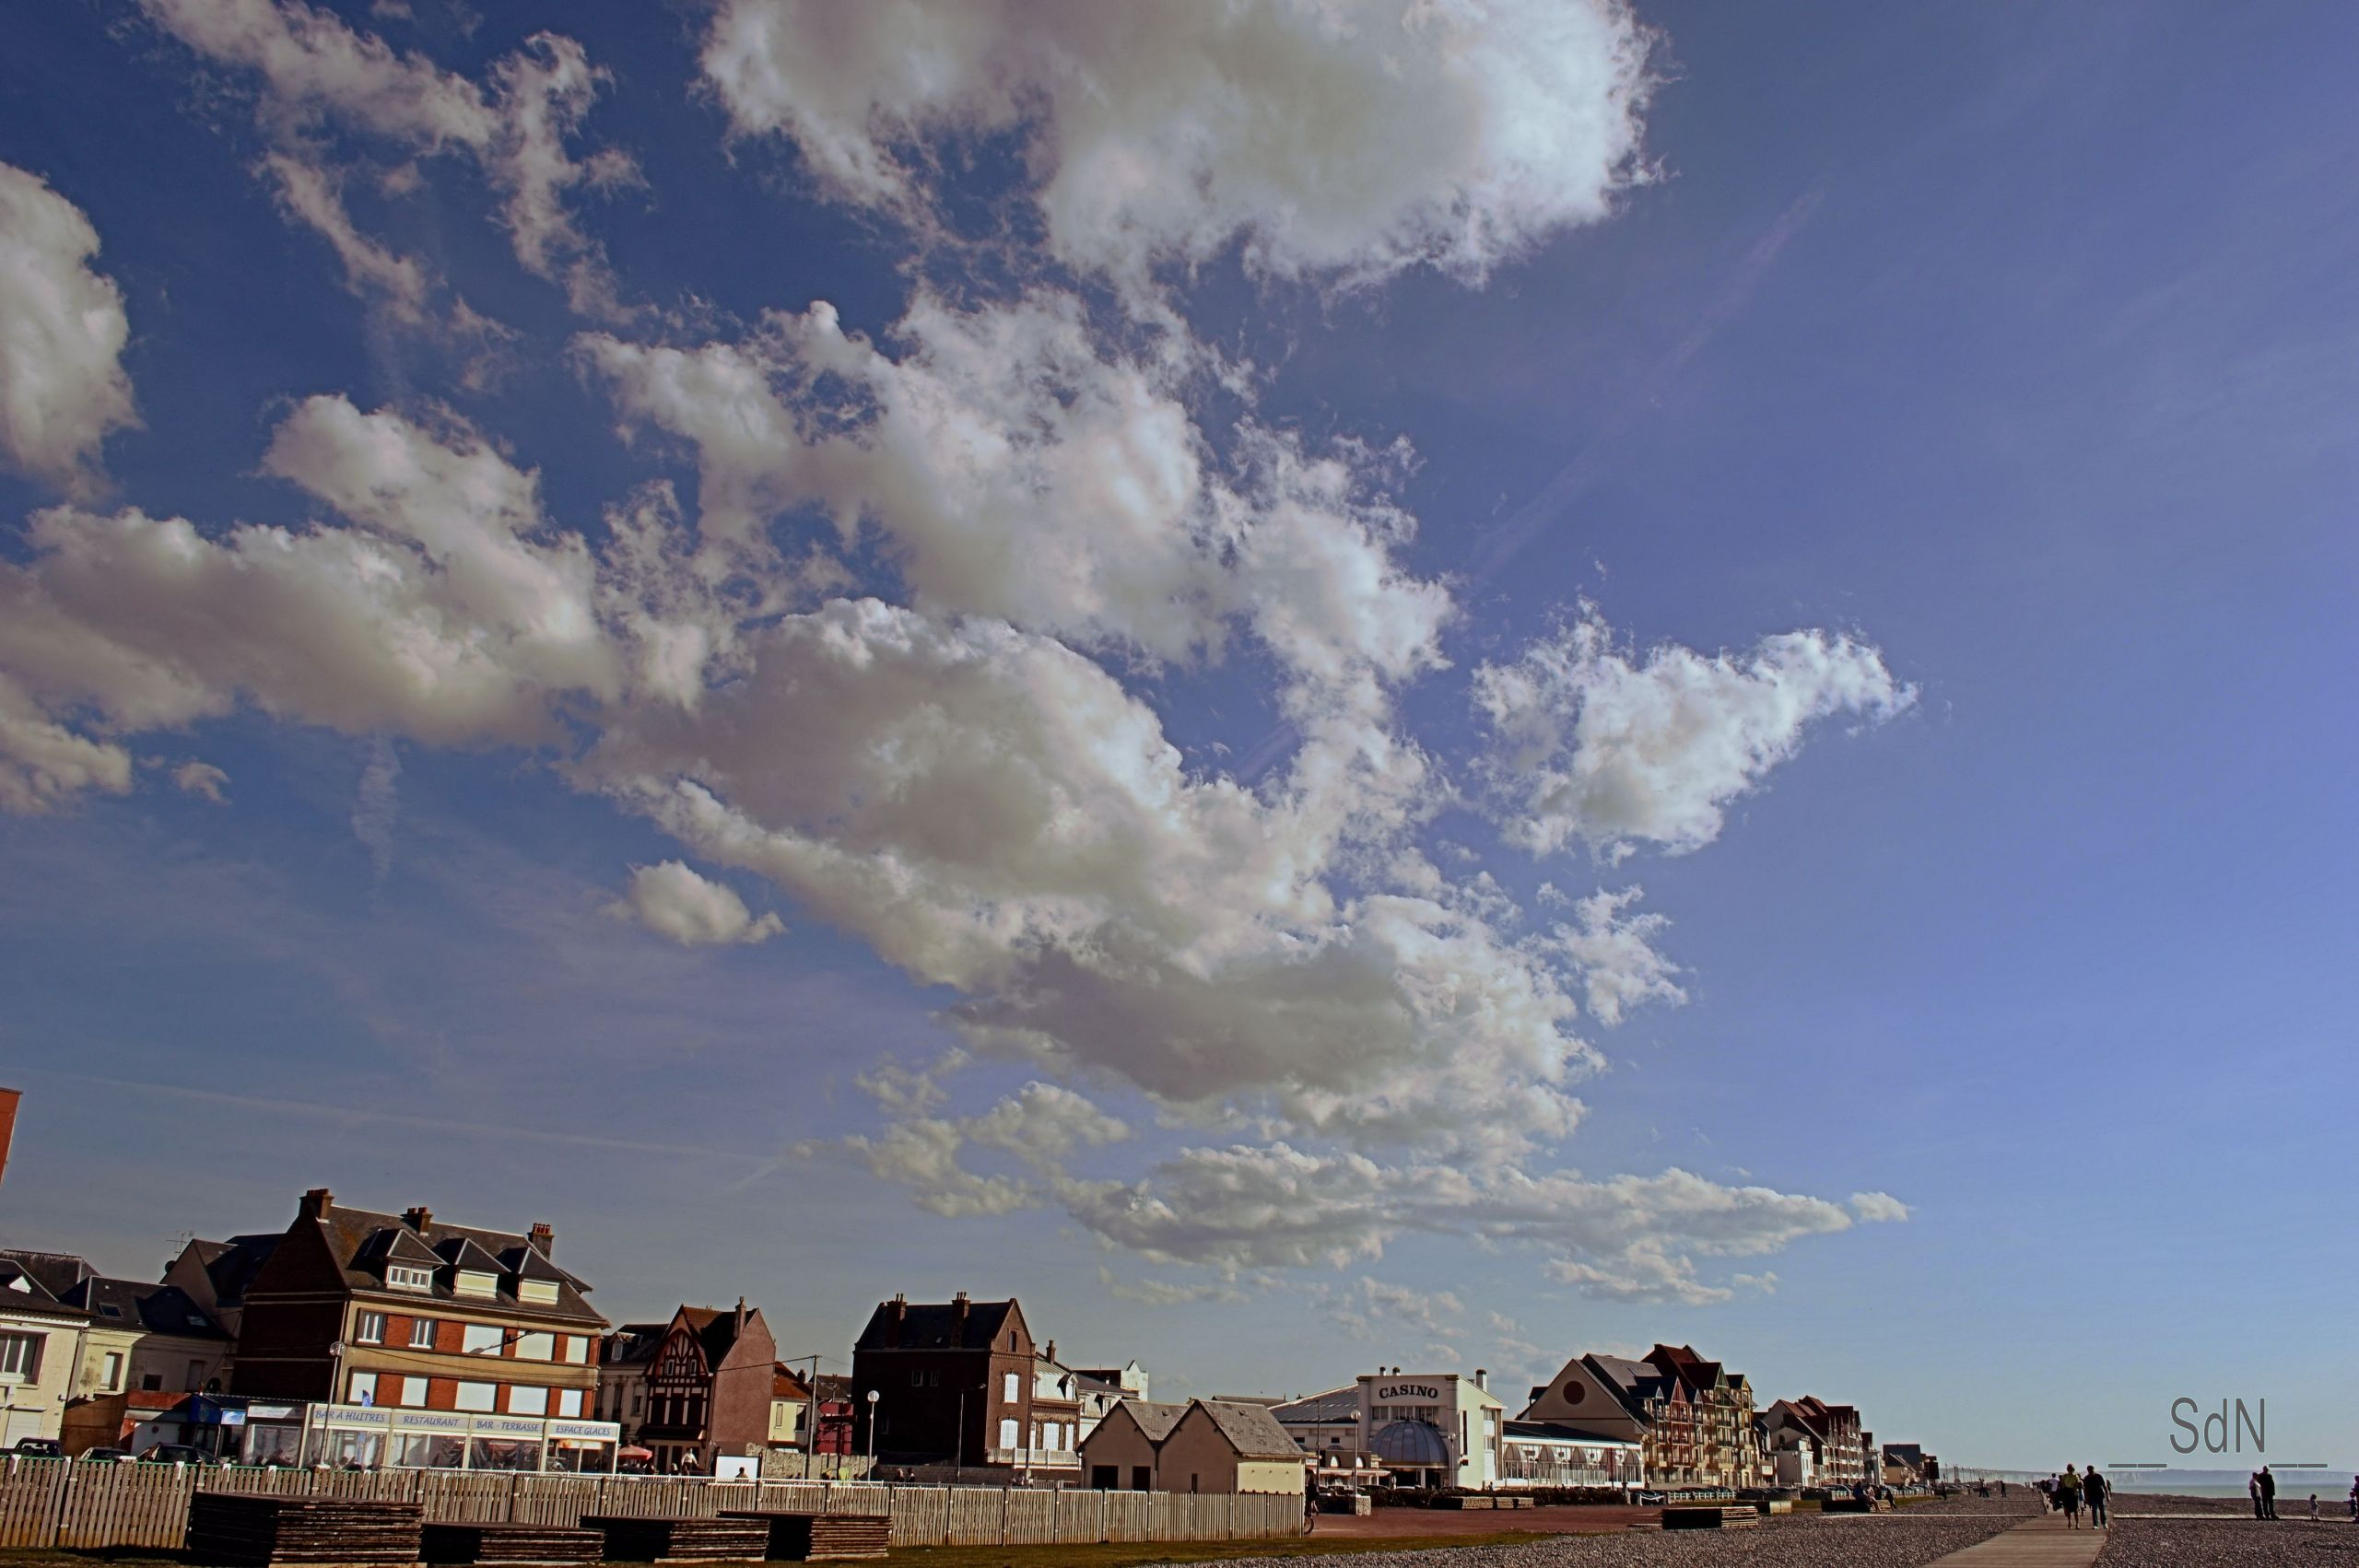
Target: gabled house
[(708, 1388), (623, 1357), (952, 1383), (215, 1274), (1204, 1446)]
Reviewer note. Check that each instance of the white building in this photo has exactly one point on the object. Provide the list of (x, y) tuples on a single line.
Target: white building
[(1430, 1429), (40, 1354)]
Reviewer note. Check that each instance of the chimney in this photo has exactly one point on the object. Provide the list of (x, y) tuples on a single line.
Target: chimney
[(1483, 1378), (542, 1237), (959, 1319), (901, 1311), (417, 1218), (1050, 1354), (741, 1315), (316, 1204)]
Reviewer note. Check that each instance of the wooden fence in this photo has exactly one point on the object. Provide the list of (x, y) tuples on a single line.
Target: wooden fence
[(104, 1505)]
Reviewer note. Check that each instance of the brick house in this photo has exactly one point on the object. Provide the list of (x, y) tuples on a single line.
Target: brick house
[(356, 1307), (953, 1382), (708, 1388)]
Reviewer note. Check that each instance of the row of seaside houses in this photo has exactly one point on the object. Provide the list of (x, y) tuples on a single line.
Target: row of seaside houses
[(360, 1338)]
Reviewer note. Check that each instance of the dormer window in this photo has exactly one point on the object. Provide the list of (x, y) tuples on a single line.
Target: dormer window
[(474, 1283), (406, 1277), (540, 1293)]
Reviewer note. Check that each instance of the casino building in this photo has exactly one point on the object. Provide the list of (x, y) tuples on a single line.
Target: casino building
[(1428, 1430)]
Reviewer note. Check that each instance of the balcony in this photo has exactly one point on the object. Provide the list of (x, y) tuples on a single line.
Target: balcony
[(1037, 1458)]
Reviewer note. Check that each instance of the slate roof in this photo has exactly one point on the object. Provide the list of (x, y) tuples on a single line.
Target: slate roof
[(1252, 1430), (933, 1326), (1336, 1404), (1633, 1383), (350, 1233), (134, 1303), (232, 1265), (1156, 1421), (56, 1272), (631, 1343), (21, 1291), (716, 1329)]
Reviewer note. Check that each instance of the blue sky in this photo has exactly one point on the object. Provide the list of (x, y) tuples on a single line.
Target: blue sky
[(1875, 480)]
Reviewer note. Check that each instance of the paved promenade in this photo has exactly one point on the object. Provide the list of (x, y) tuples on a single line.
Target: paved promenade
[(2044, 1542)]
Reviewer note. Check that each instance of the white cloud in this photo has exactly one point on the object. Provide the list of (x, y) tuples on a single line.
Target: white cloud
[(1615, 954), (202, 779), (670, 899), (315, 70), (313, 196), (43, 763), (1873, 1208), (1625, 1237), (1594, 743), (1352, 138), (61, 335), (1020, 469), (1165, 1292)]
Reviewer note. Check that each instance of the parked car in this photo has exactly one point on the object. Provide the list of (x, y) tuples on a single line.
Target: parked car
[(104, 1454), (176, 1454), (40, 1448)]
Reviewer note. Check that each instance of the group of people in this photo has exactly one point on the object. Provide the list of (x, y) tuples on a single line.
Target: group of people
[(2068, 1492)]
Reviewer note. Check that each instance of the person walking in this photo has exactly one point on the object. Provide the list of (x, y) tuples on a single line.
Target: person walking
[(1310, 1500), (2354, 1500), (2068, 1495), (2253, 1487), (2099, 1492), (2268, 1492)]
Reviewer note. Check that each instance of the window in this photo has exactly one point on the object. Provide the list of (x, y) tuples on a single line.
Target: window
[(576, 1350), (472, 1283), (528, 1401), (569, 1403), (421, 1333), (110, 1373), (541, 1292), (195, 1377), (368, 1327), (404, 1277), (1008, 1395), (917, 1377), (151, 1382), (361, 1388), (1007, 1433), (477, 1397), (482, 1339), (535, 1346), (412, 1393)]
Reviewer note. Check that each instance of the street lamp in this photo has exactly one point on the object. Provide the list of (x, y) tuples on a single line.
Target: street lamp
[(874, 1395)]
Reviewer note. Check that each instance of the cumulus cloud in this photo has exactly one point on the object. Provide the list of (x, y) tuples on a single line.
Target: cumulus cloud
[(1875, 1208), (1018, 468), (670, 899), (1353, 139), (1594, 743), (315, 71), (62, 334)]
